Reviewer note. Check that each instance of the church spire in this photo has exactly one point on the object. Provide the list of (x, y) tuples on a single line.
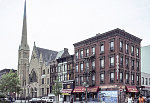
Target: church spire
[(24, 44)]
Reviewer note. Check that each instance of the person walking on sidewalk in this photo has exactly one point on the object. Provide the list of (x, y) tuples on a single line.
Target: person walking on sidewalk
[(141, 99)]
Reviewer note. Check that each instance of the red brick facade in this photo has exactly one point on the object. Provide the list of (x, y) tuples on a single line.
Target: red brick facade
[(113, 44)]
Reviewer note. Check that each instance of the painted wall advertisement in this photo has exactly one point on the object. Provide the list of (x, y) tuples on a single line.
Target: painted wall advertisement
[(108, 96)]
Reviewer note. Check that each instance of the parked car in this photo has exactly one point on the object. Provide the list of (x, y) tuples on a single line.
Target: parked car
[(48, 99), (33, 100)]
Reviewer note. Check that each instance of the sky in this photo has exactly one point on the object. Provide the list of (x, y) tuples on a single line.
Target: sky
[(58, 24)]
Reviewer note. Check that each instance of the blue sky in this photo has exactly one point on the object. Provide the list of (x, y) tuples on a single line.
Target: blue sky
[(57, 24)]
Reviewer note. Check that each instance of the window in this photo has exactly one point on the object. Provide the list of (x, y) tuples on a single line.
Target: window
[(137, 65), (87, 65), (111, 61), (121, 45), (81, 80), (65, 67), (87, 79), (76, 67), (121, 61), (111, 45), (127, 62), (132, 78), (121, 76), (142, 80), (132, 64), (42, 91), (77, 81), (112, 77), (76, 55), (127, 77), (93, 50), (47, 80), (87, 52), (127, 48), (65, 76), (93, 64), (93, 79), (43, 72), (102, 62), (42, 80), (137, 52), (146, 80), (81, 54), (137, 79), (149, 81), (81, 67), (132, 50), (102, 48), (48, 71), (102, 78)]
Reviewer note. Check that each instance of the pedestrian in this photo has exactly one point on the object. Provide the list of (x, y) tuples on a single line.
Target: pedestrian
[(130, 100), (71, 100), (141, 99), (148, 99)]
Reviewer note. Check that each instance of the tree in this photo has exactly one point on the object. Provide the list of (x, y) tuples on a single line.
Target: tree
[(56, 88), (9, 83)]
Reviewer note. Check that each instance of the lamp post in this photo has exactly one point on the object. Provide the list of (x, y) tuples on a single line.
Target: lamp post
[(86, 86)]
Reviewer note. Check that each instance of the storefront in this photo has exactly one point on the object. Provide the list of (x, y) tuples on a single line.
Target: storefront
[(132, 90), (68, 87), (145, 90), (80, 93)]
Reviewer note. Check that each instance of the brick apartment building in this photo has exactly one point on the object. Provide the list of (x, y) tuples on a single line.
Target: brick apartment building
[(108, 61)]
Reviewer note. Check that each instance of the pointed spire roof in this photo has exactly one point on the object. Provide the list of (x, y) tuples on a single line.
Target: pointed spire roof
[(24, 44)]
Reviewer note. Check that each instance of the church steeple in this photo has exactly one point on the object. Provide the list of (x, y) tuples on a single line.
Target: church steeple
[(24, 44)]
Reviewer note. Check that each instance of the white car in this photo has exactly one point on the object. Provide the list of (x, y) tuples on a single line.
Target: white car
[(35, 99), (48, 99)]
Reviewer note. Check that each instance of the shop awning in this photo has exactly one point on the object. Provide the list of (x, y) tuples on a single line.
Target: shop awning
[(79, 89), (93, 89), (132, 89), (66, 91)]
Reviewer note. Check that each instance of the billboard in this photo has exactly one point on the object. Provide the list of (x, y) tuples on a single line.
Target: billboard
[(108, 96)]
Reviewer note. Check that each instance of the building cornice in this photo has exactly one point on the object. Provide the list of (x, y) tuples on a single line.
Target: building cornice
[(112, 33)]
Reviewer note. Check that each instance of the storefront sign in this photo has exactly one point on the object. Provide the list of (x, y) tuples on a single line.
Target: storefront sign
[(108, 86), (66, 94)]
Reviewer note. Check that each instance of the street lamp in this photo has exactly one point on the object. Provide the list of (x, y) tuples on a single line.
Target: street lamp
[(86, 86)]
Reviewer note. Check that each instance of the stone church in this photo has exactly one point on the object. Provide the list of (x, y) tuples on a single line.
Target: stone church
[(34, 71)]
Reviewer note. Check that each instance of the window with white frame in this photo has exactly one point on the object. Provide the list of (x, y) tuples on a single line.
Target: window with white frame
[(102, 48), (121, 76), (93, 64), (121, 45), (132, 78), (102, 62), (127, 48), (81, 80), (143, 80), (102, 77), (111, 61), (112, 77), (76, 67), (127, 77), (87, 65), (93, 50), (137, 65), (81, 54), (146, 80), (81, 67), (111, 45), (132, 50), (76, 80), (87, 52), (77, 55), (137, 52), (121, 61)]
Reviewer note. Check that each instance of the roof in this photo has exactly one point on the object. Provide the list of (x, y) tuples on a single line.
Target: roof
[(48, 55)]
